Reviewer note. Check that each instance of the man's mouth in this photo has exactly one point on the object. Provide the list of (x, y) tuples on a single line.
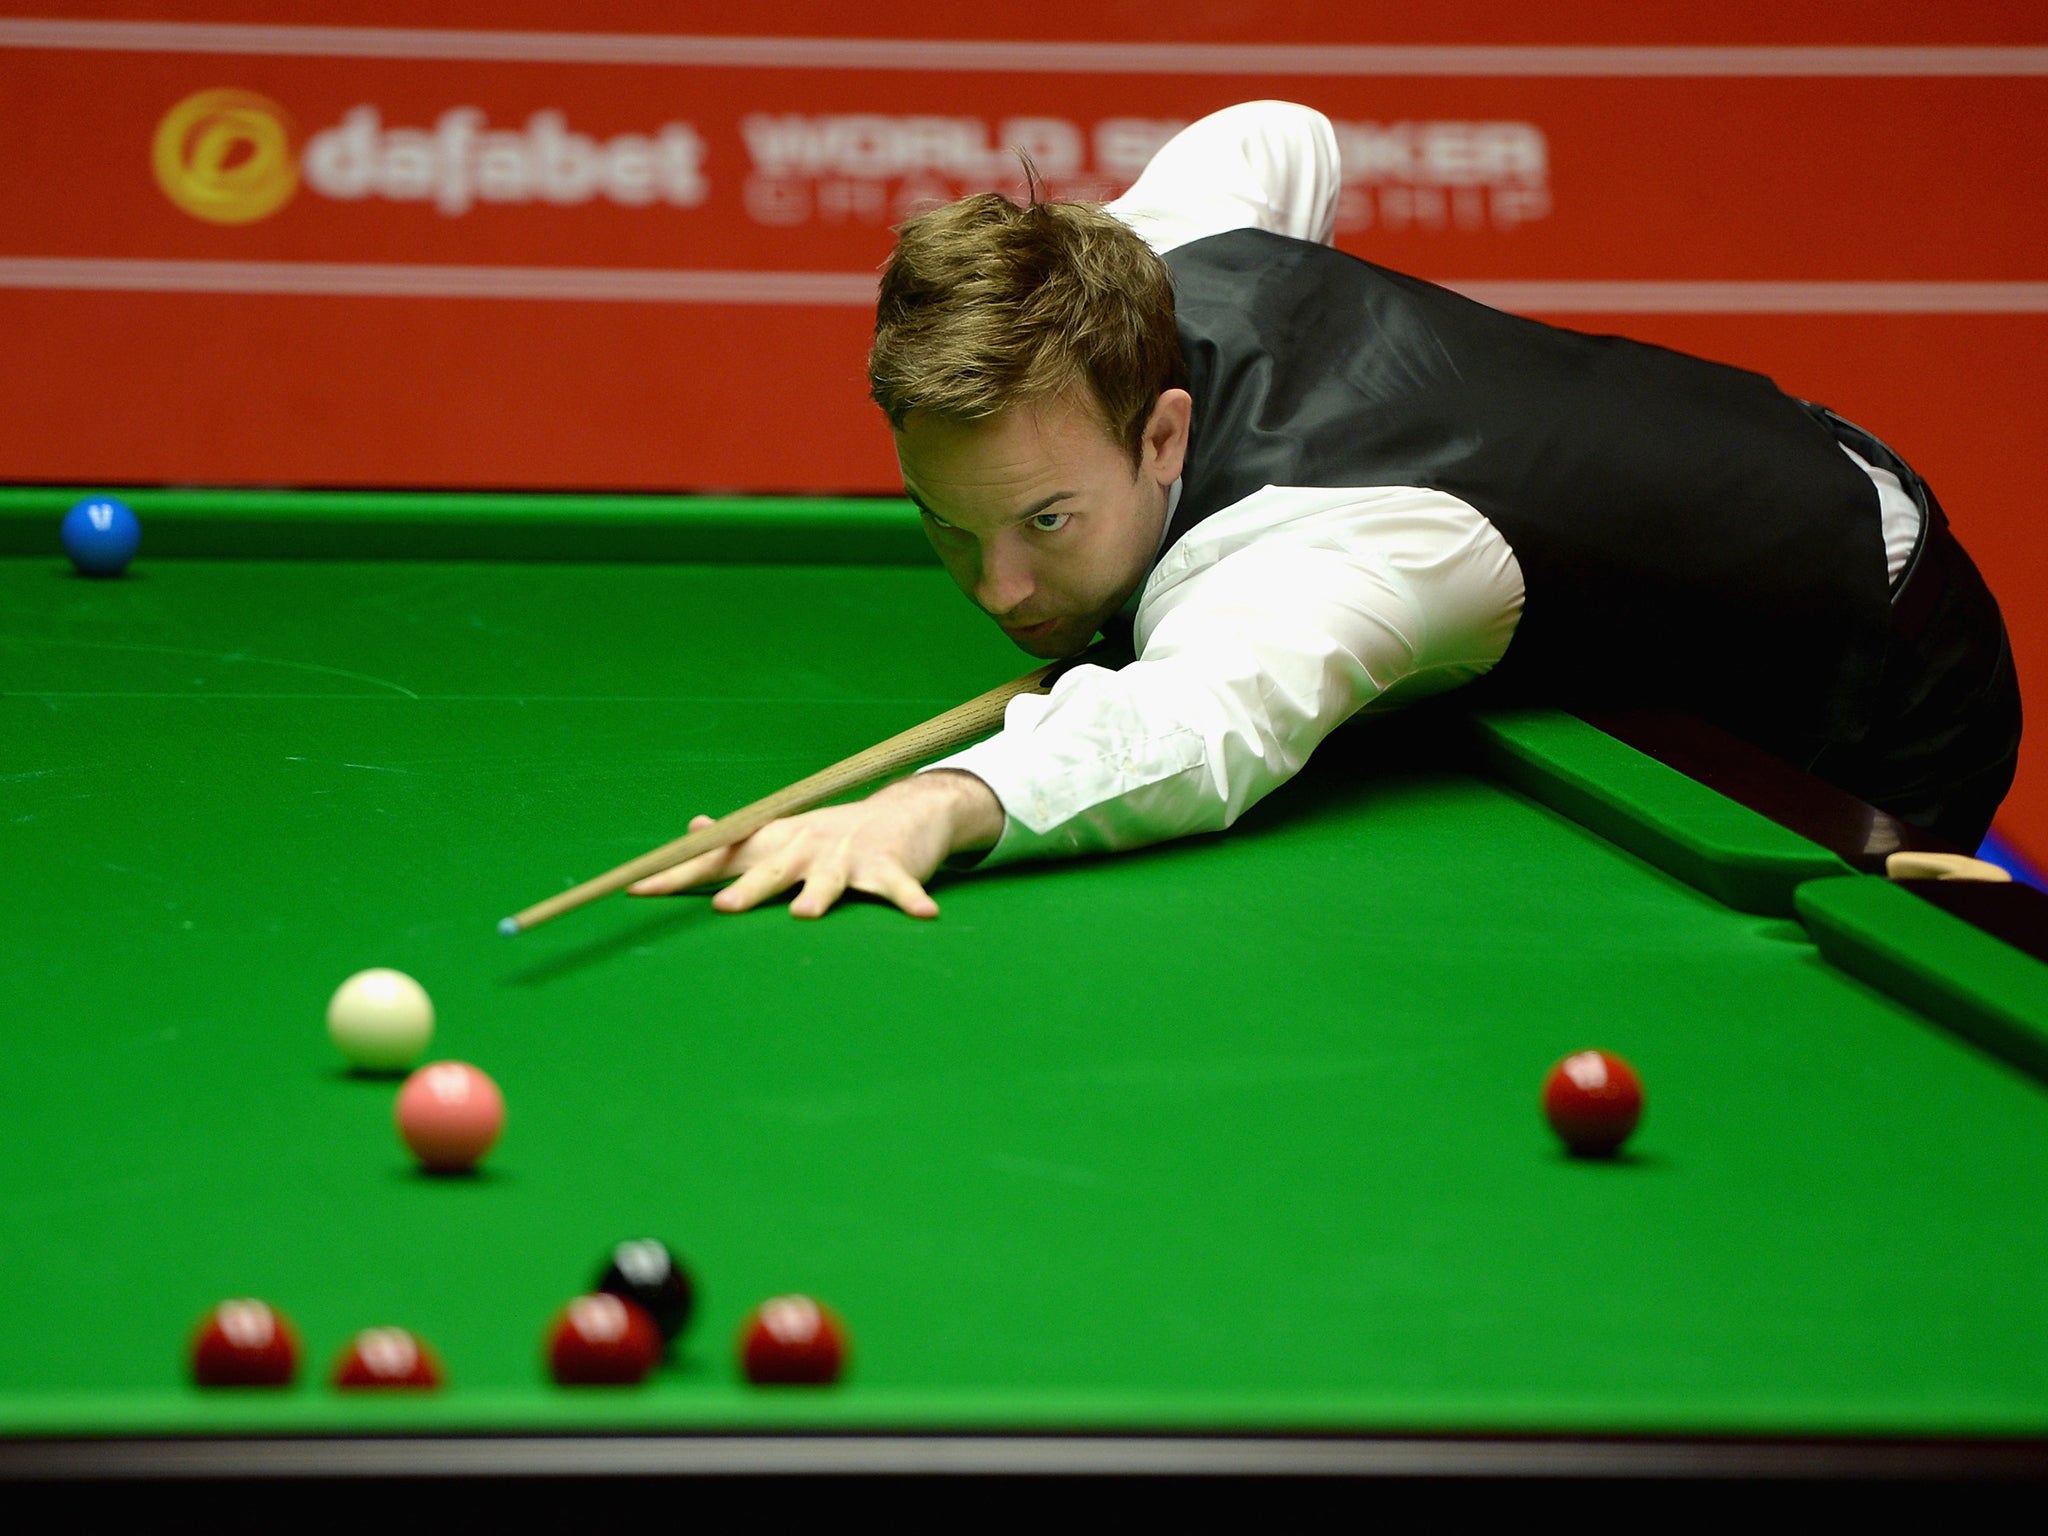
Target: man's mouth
[(1029, 631)]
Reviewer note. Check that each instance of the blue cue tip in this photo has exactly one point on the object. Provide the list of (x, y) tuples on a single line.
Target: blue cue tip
[(508, 926)]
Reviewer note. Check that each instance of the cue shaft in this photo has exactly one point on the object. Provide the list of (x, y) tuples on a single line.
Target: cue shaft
[(958, 726)]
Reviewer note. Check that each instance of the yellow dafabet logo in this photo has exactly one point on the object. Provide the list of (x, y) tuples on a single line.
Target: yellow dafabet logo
[(227, 156), (224, 156)]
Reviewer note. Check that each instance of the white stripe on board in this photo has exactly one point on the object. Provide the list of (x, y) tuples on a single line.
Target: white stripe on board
[(640, 285), (628, 285), (1709, 298), (943, 55)]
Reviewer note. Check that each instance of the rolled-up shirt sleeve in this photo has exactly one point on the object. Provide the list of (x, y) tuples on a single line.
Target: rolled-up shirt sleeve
[(1259, 633), (1268, 165)]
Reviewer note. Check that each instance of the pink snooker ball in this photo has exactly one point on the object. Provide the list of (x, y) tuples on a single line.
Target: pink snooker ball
[(450, 1114)]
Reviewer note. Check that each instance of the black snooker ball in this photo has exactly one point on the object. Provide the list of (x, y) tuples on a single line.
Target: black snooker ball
[(646, 1270)]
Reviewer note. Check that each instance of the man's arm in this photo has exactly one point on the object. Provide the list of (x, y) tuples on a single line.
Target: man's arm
[(1264, 629), (1268, 165)]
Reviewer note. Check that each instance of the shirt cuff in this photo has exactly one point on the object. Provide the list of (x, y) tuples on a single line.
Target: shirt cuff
[(1058, 801)]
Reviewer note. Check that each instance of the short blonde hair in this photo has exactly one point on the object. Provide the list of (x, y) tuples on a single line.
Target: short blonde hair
[(987, 304)]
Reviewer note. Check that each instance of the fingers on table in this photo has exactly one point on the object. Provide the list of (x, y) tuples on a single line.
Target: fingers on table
[(698, 871), (825, 874), (769, 878), (895, 883), (822, 887), (702, 870)]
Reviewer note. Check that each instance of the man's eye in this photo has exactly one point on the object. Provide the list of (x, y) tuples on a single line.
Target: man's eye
[(1050, 522)]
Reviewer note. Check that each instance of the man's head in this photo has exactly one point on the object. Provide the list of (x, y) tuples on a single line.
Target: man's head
[(1027, 359)]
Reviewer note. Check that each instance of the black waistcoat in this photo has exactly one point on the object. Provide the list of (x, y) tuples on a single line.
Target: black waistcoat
[(1689, 536)]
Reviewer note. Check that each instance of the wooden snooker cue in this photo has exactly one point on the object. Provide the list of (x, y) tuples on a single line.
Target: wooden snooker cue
[(958, 726)]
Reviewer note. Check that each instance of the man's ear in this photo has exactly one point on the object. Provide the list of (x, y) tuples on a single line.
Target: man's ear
[(1164, 445)]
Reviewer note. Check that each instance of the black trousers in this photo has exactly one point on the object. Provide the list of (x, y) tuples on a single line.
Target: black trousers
[(1944, 738)]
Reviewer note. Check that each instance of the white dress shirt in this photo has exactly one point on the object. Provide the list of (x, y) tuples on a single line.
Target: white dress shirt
[(1270, 622)]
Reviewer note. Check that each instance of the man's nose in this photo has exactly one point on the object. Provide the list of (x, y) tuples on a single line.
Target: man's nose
[(1003, 585)]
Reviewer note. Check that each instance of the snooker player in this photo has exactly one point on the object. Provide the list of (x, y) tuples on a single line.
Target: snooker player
[(1316, 487)]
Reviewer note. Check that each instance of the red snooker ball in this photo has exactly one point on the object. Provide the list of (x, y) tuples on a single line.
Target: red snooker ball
[(245, 1343), (387, 1357), (449, 1114), (603, 1340), (1593, 1100), (792, 1341)]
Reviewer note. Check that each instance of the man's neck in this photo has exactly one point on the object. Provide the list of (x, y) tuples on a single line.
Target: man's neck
[(1130, 604)]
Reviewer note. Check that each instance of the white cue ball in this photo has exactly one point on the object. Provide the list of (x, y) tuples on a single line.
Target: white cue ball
[(381, 1019)]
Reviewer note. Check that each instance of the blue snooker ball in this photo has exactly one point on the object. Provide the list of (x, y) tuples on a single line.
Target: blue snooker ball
[(101, 535)]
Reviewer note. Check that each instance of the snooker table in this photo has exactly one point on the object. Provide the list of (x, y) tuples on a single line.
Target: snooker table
[(1223, 1156)]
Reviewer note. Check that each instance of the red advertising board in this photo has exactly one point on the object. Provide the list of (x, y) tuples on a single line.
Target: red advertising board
[(458, 244)]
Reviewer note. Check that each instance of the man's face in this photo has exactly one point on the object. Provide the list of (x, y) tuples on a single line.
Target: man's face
[(1039, 515)]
